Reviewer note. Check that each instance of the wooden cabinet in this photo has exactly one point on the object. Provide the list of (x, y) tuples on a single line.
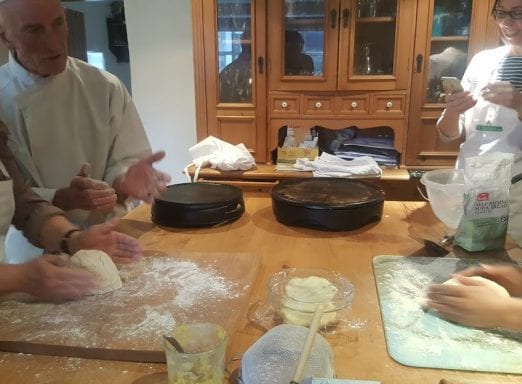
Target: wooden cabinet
[(229, 62), (448, 34), (264, 64), (349, 62)]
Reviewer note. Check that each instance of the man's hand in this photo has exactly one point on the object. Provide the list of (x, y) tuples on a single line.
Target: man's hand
[(503, 93), (85, 193), (48, 278), (142, 181), (474, 303), (120, 247)]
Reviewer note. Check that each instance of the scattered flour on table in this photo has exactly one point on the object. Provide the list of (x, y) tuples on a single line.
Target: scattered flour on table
[(157, 293)]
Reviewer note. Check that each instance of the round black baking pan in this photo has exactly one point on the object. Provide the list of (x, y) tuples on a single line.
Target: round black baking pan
[(329, 204), (198, 205)]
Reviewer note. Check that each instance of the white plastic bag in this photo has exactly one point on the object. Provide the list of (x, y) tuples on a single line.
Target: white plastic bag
[(219, 154), (273, 359)]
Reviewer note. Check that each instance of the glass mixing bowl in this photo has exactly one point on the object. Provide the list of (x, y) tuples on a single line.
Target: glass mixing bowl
[(295, 293)]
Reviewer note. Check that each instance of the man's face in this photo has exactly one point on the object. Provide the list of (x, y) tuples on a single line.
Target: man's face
[(36, 32)]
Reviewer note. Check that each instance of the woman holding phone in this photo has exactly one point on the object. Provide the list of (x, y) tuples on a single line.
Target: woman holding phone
[(492, 85), (492, 99)]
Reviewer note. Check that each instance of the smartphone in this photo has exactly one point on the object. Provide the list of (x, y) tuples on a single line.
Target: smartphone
[(451, 84)]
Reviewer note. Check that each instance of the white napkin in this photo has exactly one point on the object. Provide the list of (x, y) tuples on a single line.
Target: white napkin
[(219, 154), (328, 165)]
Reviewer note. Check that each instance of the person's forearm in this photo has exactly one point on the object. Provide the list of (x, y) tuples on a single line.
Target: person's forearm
[(52, 232), (511, 317), (448, 124)]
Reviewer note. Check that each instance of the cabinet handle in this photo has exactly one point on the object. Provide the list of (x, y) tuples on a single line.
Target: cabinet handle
[(261, 64), (389, 105), (318, 105), (284, 104), (420, 60), (346, 17), (354, 104), (333, 18)]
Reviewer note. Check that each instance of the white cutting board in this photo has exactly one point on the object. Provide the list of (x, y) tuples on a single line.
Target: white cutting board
[(420, 339)]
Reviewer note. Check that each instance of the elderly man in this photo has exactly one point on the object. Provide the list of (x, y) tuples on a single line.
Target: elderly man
[(74, 129)]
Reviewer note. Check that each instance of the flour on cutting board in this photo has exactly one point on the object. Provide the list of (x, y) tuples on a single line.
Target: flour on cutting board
[(422, 339), (157, 294)]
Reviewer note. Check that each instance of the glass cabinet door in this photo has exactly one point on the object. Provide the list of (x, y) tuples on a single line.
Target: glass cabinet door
[(304, 31), (234, 46), (449, 43), (303, 43), (374, 40)]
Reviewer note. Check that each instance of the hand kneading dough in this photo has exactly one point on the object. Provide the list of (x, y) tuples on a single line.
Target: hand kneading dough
[(499, 289), (98, 262), (307, 293)]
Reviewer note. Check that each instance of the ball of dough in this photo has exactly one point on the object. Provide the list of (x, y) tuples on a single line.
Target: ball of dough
[(98, 262), (499, 289), (302, 296)]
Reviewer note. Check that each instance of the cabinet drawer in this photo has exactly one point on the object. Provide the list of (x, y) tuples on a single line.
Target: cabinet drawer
[(389, 105), (352, 105), (318, 105), (285, 104)]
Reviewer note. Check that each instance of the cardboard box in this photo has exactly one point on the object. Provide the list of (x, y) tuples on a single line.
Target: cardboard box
[(300, 148), (288, 155)]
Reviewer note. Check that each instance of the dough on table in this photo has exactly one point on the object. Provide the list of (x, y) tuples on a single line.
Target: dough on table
[(98, 262), (490, 283), (302, 296)]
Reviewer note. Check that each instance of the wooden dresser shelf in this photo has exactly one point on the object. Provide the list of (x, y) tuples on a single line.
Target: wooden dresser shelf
[(396, 182)]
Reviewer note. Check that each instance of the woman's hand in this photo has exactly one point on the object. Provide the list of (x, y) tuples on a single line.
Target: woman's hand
[(474, 303), (460, 102), (503, 93), (120, 247), (507, 275)]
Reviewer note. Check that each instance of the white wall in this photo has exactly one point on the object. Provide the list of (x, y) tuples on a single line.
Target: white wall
[(95, 14), (162, 73)]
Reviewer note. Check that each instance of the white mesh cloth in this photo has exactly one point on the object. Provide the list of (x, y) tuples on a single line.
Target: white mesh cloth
[(274, 357)]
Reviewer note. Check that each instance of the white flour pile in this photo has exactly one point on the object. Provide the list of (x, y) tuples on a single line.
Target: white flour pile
[(157, 294)]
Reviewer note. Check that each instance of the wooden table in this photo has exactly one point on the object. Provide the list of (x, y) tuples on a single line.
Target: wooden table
[(360, 353)]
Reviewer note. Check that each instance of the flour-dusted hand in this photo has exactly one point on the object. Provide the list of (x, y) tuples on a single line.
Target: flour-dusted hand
[(476, 302), (507, 275), (142, 181), (86, 193), (503, 93), (120, 247), (49, 278)]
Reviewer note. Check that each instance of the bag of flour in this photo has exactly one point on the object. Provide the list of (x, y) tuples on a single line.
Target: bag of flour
[(487, 179)]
